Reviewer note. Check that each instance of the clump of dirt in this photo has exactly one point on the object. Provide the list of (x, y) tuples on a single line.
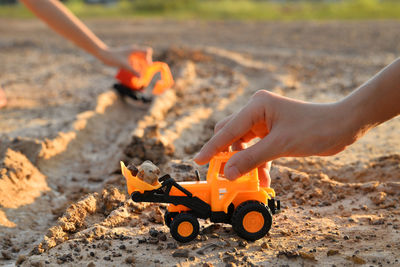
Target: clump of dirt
[(150, 146)]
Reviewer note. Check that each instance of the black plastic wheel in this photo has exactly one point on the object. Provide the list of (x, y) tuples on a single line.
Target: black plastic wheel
[(184, 227), (252, 220), (168, 218)]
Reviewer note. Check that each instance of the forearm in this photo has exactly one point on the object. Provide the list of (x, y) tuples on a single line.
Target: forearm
[(376, 101), (60, 19)]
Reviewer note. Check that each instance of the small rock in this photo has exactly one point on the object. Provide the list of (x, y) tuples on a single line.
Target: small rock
[(162, 237), (332, 252), (153, 240), (142, 240), (130, 260), (20, 260), (243, 244), (210, 229), (153, 232), (230, 259), (379, 198), (91, 264), (264, 245), (172, 245), (290, 254), (346, 237), (181, 253), (214, 235), (123, 247), (107, 258), (6, 255), (307, 256), (356, 259), (37, 264)]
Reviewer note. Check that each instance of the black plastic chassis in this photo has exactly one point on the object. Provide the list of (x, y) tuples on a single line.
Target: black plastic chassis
[(198, 207)]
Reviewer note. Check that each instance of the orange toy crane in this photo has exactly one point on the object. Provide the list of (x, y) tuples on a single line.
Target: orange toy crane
[(130, 85), (242, 203)]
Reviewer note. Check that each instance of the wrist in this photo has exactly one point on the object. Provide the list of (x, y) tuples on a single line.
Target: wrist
[(353, 117), (101, 52)]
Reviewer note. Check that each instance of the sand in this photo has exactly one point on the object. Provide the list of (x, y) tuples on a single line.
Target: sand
[(63, 200)]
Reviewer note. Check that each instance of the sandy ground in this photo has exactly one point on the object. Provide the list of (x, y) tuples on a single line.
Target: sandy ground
[(63, 200)]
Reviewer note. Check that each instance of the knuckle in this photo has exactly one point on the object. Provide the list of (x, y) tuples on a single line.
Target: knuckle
[(261, 94), (218, 126), (246, 162)]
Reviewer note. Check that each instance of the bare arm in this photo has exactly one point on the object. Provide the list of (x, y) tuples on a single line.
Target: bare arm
[(60, 19), (292, 128)]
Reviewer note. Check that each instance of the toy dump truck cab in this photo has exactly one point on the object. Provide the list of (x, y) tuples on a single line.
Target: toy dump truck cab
[(242, 203)]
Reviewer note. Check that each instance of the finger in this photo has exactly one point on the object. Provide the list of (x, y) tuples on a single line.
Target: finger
[(233, 130), (222, 123), (263, 174), (131, 70), (239, 145), (252, 157), (149, 55)]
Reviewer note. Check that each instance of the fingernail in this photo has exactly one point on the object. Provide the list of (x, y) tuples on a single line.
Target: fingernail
[(232, 173)]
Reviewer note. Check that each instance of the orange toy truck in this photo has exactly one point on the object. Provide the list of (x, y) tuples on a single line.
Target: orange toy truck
[(130, 85), (242, 203)]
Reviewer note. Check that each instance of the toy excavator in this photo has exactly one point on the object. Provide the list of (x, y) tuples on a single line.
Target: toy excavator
[(242, 203), (131, 86)]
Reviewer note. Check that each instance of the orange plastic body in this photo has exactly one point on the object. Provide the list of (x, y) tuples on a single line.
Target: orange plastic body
[(220, 192), (216, 190), (147, 71)]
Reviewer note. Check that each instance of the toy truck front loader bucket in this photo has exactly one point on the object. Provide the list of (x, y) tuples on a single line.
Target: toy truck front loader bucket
[(135, 184), (147, 71)]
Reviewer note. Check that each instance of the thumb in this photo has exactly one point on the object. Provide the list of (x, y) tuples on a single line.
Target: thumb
[(246, 160)]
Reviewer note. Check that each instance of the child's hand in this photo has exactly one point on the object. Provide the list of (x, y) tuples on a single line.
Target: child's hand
[(119, 57), (287, 127)]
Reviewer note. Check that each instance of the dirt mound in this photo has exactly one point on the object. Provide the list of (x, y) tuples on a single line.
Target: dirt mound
[(20, 181), (95, 216), (149, 147)]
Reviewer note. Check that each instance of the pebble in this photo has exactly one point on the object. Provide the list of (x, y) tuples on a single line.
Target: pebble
[(332, 252), (91, 264), (181, 253), (307, 256), (153, 240), (356, 259), (20, 259), (265, 245), (130, 260), (243, 244), (172, 245), (214, 235), (6, 255), (162, 237), (153, 232), (123, 247)]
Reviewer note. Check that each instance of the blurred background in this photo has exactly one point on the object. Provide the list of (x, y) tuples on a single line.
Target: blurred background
[(224, 9)]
